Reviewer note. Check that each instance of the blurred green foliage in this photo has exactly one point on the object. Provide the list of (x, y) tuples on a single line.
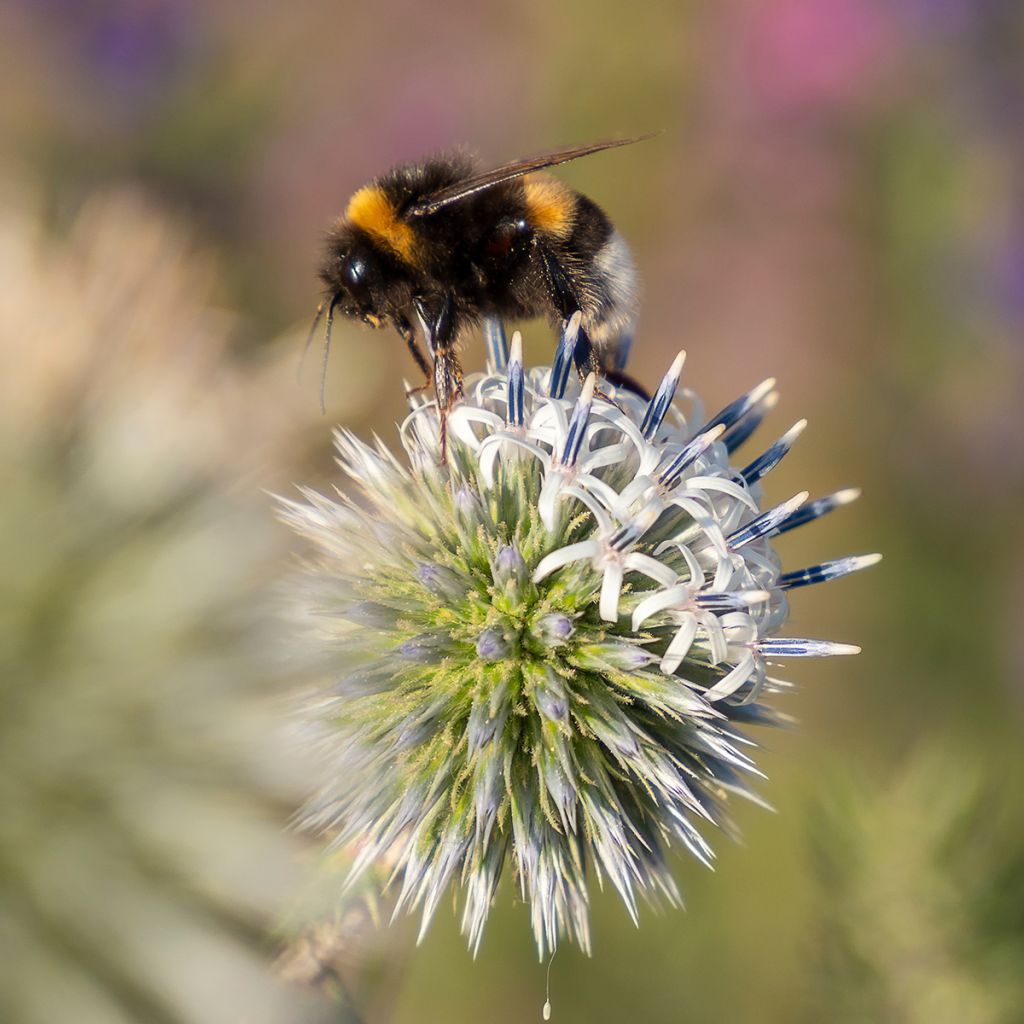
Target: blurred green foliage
[(921, 909)]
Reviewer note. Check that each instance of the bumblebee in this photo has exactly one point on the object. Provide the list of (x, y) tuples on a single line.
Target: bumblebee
[(432, 248)]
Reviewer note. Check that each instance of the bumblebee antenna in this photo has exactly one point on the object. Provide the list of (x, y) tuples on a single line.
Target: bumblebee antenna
[(327, 352), (309, 338)]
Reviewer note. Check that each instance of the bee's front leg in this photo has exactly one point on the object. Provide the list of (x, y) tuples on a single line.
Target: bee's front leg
[(408, 335), (440, 327)]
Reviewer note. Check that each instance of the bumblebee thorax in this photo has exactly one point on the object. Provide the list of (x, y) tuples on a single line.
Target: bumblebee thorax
[(374, 213)]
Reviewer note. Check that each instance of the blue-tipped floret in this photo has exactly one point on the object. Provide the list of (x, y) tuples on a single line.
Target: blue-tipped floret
[(769, 459), (765, 523), (825, 571), (578, 422), (662, 400), (497, 343), (562, 365), (515, 414), (812, 510)]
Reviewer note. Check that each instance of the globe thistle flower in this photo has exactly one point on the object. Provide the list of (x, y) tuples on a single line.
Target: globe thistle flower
[(546, 649)]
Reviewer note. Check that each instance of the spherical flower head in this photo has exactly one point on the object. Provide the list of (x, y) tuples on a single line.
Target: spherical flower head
[(547, 645)]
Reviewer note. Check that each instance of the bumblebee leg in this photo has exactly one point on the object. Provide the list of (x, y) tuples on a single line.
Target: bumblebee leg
[(623, 380), (585, 355), (440, 327), (408, 335), (448, 387), (566, 302)]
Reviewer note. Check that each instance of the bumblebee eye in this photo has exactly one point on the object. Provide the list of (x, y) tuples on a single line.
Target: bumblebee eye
[(355, 274)]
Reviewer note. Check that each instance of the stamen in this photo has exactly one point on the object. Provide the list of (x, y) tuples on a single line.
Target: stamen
[(818, 508), (784, 647), (740, 407), (515, 413), (765, 522), (748, 423), (662, 400), (827, 571), (629, 533), (497, 344), (693, 450), (718, 602), (578, 422), (767, 461), (563, 356)]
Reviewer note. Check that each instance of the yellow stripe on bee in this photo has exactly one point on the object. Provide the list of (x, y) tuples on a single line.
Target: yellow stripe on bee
[(371, 211), (549, 204)]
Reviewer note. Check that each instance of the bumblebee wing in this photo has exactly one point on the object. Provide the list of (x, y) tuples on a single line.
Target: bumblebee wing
[(516, 169)]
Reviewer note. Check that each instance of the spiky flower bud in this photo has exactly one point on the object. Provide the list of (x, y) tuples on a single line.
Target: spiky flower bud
[(571, 620)]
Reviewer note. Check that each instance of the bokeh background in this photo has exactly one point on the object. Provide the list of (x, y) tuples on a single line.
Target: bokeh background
[(836, 199)]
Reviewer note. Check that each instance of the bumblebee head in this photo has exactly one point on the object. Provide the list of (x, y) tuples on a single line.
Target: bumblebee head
[(355, 280), (360, 283), (359, 280)]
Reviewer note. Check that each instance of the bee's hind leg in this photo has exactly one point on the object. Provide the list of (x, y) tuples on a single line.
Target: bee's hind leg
[(624, 380), (614, 356), (585, 355), (566, 303)]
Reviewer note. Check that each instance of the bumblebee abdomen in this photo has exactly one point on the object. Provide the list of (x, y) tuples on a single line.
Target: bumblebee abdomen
[(591, 254), (617, 292)]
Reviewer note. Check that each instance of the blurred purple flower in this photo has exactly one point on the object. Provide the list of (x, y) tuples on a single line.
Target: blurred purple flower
[(946, 17), (131, 49), (934, 15), (1009, 272), (803, 56), (132, 46)]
